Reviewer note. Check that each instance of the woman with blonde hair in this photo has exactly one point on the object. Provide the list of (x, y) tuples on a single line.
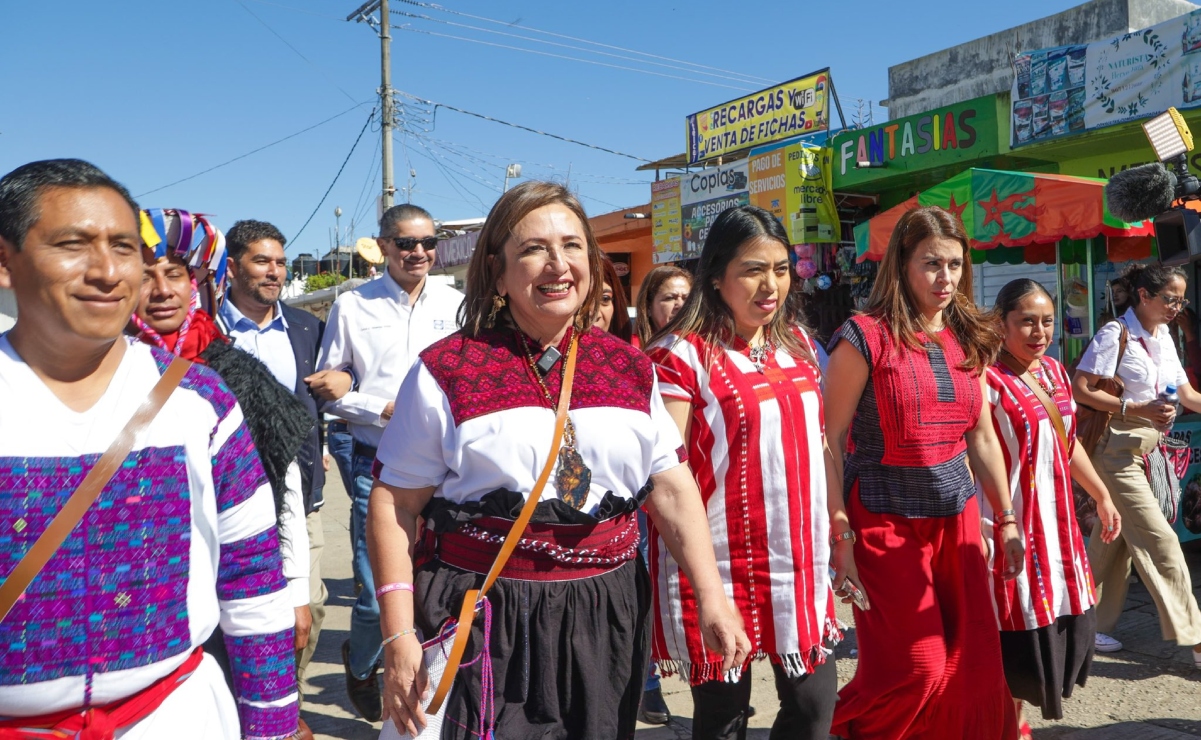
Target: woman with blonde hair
[(910, 397), (562, 636)]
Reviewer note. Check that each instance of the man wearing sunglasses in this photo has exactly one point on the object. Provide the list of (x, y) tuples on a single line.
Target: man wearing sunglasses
[(376, 332)]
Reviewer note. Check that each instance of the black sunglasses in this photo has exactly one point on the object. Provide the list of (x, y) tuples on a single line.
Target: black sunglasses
[(409, 243)]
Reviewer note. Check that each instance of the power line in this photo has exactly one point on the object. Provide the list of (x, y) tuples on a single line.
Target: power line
[(523, 128), (435, 6), (253, 151), (739, 78), (460, 188), (564, 56), (296, 51), (335, 182)]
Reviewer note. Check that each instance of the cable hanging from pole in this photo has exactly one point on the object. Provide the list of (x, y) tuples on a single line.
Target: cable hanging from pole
[(519, 126), (358, 138)]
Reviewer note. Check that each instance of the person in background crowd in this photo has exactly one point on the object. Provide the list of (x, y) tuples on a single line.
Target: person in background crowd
[(173, 314), (1046, 613), (740, 377), (106, 639), (286, 340), (1148, 366), (613, 318), (662, 293), (376, 332), (564, 633), (1117, 301), (908, 385)]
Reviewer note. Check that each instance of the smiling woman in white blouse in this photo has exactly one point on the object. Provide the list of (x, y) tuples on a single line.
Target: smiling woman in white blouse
[(566, 644), (1147, 367)]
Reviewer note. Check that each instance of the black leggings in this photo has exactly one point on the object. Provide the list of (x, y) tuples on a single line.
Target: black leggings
[(806, 706)]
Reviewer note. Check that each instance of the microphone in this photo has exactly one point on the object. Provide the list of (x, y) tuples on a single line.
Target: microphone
[(1140, 192)]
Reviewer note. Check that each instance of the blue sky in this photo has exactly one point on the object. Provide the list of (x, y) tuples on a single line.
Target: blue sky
[(155, 92)]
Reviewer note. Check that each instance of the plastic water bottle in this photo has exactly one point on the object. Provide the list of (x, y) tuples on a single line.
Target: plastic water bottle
[(1169, 395)]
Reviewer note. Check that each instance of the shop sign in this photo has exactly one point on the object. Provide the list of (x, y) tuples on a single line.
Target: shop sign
[(704, 194), (456, 250), (1069, 89), (961, 132), (794, 182), (666, 228), (789, 109), (1105, 166)]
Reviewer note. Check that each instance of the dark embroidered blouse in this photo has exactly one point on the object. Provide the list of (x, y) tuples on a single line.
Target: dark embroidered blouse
[(908, 453)]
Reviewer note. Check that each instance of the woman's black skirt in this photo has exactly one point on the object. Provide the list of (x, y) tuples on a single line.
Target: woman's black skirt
[(569, 658), (1044, 665)]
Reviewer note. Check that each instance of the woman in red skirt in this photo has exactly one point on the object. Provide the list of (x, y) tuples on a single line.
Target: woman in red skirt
[(907, 383)]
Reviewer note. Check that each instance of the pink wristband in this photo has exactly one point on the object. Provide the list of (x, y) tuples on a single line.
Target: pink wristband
[(393, 587)]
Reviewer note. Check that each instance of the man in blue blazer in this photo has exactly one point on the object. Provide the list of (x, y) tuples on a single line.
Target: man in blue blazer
[(287, 340)]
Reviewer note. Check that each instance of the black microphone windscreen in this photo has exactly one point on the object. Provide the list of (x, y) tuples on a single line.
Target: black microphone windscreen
[(1140, 192)]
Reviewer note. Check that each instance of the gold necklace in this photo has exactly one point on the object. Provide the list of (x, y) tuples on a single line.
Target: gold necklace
[(573, 479)]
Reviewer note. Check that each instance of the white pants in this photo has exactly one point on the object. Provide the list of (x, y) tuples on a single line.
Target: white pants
[(200, 709)]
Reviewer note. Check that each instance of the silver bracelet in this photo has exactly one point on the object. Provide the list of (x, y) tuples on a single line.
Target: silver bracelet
[(1124, 402)]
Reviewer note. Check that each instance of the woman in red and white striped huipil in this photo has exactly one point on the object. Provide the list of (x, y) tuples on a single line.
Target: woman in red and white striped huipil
[(1046, 613), (741, 379)]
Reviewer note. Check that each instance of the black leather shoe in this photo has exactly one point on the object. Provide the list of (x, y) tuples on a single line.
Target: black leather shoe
[(363, 692), (653, 710)]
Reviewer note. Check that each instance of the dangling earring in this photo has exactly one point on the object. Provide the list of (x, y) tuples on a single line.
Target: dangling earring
[(498, 302)]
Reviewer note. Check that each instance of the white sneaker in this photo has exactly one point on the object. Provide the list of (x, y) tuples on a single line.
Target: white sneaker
[(1106, 644)]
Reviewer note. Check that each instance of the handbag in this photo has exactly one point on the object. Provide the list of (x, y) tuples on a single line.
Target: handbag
[(1164, 465), (443, 655), (1091, 423), (89, 490)]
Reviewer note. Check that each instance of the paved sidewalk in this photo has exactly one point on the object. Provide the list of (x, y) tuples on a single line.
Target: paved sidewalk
[(1149, 691)]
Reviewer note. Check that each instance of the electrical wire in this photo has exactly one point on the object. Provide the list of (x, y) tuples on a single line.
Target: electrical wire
[(358, 138), (364, 199), (410, 29), (498, 162), (739, 79), (523, 128), (298, 53), (252, 151), (440, 8), (451, 180)]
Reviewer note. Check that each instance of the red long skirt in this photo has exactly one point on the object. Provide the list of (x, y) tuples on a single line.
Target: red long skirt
[(929, 650)]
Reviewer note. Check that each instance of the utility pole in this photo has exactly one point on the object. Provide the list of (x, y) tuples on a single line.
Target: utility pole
[(387, 109), (385, 45)]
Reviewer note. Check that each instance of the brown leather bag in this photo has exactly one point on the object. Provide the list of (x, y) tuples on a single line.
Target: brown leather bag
[(1091, 423)]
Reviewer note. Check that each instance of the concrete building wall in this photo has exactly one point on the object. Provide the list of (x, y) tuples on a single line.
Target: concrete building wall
[(985, 66)]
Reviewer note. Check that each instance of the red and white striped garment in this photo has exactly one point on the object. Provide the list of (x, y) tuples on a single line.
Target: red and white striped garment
[(755, 447), (1056, 581)]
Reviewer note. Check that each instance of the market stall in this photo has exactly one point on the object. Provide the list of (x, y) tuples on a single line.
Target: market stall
[(1031, 218)]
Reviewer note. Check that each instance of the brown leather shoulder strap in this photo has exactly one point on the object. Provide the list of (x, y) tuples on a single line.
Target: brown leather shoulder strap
[(89, 490), (1123, 339), (1047, 402), (473, 596)]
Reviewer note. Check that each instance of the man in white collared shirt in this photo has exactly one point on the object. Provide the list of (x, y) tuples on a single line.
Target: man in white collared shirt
[(376, 332)]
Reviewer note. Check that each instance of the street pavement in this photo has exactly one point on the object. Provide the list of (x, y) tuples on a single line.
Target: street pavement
[(1149, 691)]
